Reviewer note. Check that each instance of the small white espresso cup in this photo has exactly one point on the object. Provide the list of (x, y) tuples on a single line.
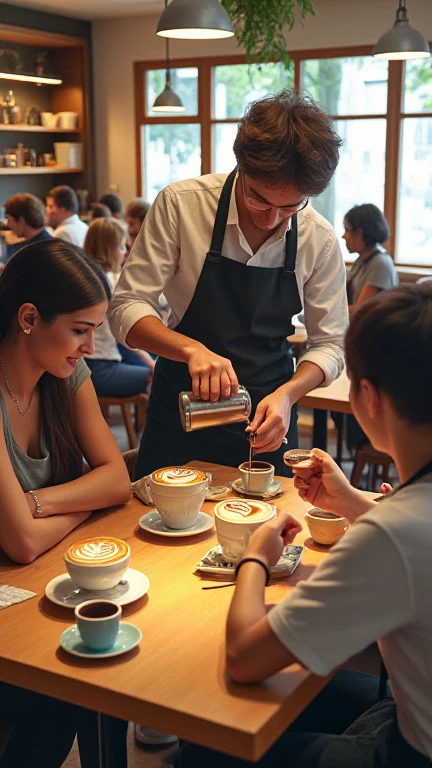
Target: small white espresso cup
[(325, 527), (235, 521), (258, 477)]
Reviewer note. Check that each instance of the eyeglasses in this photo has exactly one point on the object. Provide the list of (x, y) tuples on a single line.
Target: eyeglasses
[(259, 205)]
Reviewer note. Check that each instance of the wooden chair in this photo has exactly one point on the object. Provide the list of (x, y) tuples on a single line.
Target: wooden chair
[(369, 455), (140, 404), (130, 459)]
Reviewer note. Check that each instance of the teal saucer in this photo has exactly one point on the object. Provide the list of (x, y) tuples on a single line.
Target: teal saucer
[(128, 637)]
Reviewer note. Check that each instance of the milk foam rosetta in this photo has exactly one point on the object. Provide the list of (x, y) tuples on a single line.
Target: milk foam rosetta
[(238, 511), (178, 476), (97, 551)]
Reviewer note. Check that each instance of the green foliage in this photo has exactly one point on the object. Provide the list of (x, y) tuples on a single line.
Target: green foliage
[(244, 82), (260, 25), (419, 78), (41, 58), (13, 60)]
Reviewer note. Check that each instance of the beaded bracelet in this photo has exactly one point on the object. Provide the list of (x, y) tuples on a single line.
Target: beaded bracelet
[(253, 560), (37, 502)]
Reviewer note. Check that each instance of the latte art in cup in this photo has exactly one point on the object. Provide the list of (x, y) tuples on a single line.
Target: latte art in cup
[(97, 551), (238, 511), (178, 476)]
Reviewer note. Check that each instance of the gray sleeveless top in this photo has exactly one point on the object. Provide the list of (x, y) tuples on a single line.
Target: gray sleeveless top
[(36, 473)]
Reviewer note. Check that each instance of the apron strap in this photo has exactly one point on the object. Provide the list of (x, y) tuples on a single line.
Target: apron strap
[(215, 252), (291, 248)]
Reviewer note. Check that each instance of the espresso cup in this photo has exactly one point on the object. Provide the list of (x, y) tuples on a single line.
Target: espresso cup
[(257, 476), (98, 563), (235, 520), (325, 527), (178, 494), (98, 623)]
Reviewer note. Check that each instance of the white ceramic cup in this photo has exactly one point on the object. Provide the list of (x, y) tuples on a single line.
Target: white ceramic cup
[(96, 576), (325, 527), (178, 503), (233, 535), (257, 479)]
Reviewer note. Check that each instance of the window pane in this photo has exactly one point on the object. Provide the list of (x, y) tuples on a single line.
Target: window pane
[(184, 83), (418, 86), (414, 234), (351, 86), (236, 85), (171, 153), (359, 177), (223, 140)]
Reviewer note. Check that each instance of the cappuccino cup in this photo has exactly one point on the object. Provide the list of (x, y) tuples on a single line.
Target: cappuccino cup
[(178, 494), (256, 476), (98, 563), (235, 520), (325, 527), (98, 623)]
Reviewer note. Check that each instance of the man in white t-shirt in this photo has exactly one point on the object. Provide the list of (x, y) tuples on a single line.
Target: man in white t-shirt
[(62, 213), (375, 584)]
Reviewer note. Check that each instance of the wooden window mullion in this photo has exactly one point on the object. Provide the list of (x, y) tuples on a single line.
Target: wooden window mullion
[(393, 138)]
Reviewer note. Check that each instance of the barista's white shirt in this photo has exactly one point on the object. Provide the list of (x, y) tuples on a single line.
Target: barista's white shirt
[(376, 584), (73, 230), (169, 253)]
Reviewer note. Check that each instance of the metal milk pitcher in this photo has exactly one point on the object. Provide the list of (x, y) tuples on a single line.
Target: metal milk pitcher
[(198, 414)]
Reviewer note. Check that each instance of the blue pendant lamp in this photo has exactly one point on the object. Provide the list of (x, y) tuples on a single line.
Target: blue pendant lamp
[(402, 41), (195, 20)]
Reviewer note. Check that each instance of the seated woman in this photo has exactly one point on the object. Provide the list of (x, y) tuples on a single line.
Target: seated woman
[(365, 231), (374, 584), (118, 372), (52, 297)]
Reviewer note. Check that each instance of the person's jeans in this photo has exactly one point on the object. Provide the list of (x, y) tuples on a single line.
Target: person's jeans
[(344, 727), (114, 378)]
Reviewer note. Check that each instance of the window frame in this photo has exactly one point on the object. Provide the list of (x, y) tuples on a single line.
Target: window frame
[(393, 116)]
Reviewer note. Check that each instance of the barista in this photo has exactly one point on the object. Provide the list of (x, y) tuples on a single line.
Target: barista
[(237, 256)]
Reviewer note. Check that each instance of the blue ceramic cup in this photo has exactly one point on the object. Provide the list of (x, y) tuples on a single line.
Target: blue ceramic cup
[(98, 623)]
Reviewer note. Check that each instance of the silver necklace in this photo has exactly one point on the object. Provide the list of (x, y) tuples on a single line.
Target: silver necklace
[(12, 394)]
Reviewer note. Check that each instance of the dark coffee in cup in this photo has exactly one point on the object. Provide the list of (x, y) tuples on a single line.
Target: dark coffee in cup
[(98, 610)]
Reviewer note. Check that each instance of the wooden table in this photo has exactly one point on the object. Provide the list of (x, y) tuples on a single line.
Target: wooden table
[(335, 397), (175, 680)]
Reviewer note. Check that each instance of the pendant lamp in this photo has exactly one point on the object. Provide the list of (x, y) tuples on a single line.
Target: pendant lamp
[(195, 20), (168, 101), (402, 41)]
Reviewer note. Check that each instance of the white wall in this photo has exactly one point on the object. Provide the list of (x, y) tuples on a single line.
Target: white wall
[(120, 42)]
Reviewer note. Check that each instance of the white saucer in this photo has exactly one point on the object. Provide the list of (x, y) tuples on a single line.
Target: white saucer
[(273, 490), (128, 637), (152, 522), (136, 586)]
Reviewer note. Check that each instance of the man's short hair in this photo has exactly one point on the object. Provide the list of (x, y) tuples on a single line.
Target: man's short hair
[(286, 140), (137, 209), (65, 197), (29, 207), (392, 324), (113, 202), (100, 211)]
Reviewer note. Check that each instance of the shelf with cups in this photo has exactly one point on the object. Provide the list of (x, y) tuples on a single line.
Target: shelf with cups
[(37, 129), (26, 170)]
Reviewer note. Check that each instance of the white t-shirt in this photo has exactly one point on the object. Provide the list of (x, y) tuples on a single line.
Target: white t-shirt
[(376, 584), (169, 253), (73, 230)]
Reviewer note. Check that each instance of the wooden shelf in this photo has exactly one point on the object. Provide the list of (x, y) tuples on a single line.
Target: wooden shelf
[(27, 171), (37, 129)]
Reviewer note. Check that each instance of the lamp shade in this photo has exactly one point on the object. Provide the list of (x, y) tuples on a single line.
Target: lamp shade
[(168, 101), (402, 42), (195, 20)]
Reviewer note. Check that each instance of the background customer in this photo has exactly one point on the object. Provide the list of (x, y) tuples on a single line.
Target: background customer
[(62, 208)]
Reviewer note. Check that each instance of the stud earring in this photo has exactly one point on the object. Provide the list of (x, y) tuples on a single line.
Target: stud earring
[(27, 330)]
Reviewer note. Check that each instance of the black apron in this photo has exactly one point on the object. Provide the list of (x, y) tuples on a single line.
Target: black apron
[(242, 313)]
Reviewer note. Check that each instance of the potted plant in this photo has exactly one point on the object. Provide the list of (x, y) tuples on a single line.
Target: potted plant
[(13, 60), (40, 61), (260, 25)]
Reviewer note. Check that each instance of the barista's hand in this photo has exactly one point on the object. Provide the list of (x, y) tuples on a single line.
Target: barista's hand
[(213, 376), (271, 422)]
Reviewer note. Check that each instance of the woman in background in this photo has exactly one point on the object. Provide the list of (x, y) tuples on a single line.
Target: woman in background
[(365, 231), (116, 371)]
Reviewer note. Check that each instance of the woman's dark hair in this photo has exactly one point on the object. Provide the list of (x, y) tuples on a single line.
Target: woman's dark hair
[(29, 207), (137, 209), (395, 322), (57, 278), (287, 140), (100, 211), (371, 221)]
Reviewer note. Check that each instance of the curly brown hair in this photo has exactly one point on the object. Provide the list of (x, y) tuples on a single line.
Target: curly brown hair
[(287, 140)]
